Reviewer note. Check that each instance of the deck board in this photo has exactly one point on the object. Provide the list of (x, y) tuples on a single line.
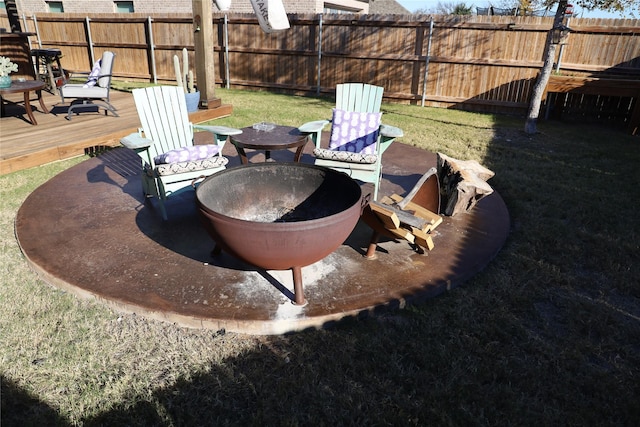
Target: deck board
[(23, 145)]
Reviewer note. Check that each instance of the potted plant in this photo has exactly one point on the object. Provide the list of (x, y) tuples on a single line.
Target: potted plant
[(6, 67), (184, 78)]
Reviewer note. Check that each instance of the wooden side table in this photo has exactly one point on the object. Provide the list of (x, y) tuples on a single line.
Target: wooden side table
[(25, 87), (278, 138)]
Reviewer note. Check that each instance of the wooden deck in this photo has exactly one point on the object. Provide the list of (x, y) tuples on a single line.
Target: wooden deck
[(23, 145)]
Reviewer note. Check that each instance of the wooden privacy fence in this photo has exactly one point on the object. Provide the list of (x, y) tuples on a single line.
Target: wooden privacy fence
[(486, 63)]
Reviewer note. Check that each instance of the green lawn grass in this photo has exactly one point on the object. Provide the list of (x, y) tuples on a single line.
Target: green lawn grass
[(547, 334)]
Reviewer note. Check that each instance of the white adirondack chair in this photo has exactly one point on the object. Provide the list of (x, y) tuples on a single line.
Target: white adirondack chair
[(358, 138), (170, 160)]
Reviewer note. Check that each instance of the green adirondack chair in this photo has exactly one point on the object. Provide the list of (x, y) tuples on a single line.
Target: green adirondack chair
[(358, 137), (170, 160)]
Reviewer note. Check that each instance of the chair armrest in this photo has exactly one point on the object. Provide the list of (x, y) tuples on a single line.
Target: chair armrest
[(220, 130), (136, 142), (388, 134), (220, 134), (313, 127), (82, 76), (390, 131), (86, 74), (314, 131)]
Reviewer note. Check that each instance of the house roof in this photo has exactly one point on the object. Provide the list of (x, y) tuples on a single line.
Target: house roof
[(387, 7)]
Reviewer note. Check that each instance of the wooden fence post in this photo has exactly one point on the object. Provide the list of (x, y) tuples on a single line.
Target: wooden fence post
[(319, 86), (426, 61), (87, 30), (151, 52), (204, 55), (226, 51), (562, 45), (35, 24)]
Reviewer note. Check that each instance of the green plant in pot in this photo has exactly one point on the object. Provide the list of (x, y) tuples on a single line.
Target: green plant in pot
[(6, 67), (184, 78)]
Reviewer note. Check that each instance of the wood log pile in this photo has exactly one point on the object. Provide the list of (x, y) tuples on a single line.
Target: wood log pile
[(412, 223), (411, 218), (462, 184)]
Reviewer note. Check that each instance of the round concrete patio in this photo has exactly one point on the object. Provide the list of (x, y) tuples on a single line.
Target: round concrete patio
[(89, 231)]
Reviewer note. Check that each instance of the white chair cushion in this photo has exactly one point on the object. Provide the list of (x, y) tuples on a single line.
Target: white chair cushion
[(191, 166), (78, 91), (345, 156), (186, 154)]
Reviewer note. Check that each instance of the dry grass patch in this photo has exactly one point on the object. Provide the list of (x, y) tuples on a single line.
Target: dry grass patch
[(545, 335)]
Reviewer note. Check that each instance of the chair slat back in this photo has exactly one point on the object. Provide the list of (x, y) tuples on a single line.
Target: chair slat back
[(359, 97), (164, 118)]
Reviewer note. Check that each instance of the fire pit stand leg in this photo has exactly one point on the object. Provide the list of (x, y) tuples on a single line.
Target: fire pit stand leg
[(297, 286), (373, 243)]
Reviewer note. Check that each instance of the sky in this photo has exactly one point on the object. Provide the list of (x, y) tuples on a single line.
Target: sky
[(578, 12)]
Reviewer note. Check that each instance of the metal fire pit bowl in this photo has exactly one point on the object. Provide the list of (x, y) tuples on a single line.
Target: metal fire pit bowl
[(279, 216)]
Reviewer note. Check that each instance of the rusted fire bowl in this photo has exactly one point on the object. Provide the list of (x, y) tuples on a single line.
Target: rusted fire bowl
[(279, 216)]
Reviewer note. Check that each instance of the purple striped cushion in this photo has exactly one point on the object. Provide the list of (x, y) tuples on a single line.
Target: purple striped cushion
[(354, 132), (188, 154)]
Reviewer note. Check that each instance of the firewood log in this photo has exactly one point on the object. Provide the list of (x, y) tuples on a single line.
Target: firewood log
[(462, 183)]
